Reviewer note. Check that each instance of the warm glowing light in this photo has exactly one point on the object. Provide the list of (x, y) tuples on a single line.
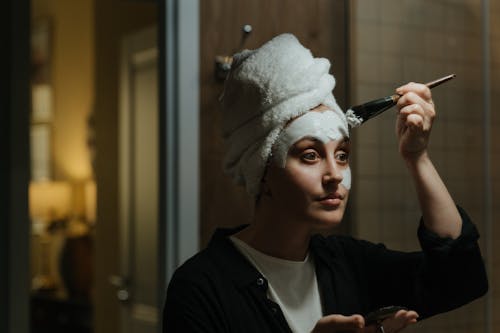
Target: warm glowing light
[(49, 200)]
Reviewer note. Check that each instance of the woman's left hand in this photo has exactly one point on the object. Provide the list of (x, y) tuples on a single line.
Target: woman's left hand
[(394, 324), (414, 123)]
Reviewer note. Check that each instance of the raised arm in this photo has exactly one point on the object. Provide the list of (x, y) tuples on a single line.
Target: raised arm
[(413, 128)]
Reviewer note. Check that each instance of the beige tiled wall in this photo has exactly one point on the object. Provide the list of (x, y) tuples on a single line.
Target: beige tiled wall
[(495, 158), (399, 41)]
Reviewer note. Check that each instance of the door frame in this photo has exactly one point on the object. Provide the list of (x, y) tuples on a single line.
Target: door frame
[(14, 166), (179, 52), (139, 50)]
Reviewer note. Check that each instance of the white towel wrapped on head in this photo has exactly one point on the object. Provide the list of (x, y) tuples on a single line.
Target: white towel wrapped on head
[(265, 89)]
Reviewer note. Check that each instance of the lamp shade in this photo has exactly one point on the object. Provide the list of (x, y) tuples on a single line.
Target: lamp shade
[(49, 200)]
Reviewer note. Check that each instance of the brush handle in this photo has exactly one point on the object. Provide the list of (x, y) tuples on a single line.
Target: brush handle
[(442, 80), (370, 109)]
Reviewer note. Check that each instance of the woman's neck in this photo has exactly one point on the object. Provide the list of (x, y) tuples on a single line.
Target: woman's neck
[(277, 236)]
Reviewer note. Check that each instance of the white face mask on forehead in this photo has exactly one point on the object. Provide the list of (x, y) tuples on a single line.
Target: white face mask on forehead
[(324, 126)]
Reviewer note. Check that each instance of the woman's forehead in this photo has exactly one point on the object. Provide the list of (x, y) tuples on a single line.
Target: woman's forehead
[(311, 140), (325, 125)]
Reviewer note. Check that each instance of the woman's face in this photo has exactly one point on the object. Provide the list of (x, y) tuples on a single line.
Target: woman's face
[(312, 183)]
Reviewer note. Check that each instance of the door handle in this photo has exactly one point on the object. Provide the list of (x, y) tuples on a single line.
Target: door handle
[(121, 283)]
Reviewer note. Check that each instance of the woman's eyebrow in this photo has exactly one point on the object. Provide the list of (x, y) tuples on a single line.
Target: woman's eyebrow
[(314, 140), (306, 141), (346, 143)]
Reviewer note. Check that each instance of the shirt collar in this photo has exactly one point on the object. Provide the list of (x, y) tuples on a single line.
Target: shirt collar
[(236, 266), (230, 260)]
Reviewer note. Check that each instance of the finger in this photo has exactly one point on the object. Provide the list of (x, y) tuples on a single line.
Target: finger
[(339, 322), (425, 110), (407, 313), (415, 122), (413, 98), (413, 109), (427, 115), (404, 88), (418, 88), (401, 314), (412, 315), (401, 319)]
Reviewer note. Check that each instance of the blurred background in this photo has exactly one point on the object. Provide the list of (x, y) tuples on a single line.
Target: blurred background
[(122, 176)]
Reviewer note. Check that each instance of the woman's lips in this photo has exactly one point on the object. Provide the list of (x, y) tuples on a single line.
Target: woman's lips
[(332, 199), (330, 202)]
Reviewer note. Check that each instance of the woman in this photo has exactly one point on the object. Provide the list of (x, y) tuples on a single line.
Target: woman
[(288, 143)]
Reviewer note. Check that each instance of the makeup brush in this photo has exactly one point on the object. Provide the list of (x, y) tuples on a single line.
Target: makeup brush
[(358, 114)]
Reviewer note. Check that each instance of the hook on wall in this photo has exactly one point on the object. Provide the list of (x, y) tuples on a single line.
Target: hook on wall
[(223, 62)]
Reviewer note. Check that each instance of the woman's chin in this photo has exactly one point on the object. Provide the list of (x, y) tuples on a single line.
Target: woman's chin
[(325, 219)]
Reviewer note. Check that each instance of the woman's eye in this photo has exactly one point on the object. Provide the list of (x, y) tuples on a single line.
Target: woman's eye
[(309, 157), (343, 157)]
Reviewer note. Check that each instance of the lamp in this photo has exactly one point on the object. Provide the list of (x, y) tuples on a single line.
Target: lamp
[(76, 267), (49, 200), (49, 203)]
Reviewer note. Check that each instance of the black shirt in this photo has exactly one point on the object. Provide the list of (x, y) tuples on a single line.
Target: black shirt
[(218, 290)]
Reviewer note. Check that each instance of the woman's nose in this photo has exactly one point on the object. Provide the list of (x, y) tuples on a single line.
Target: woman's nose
[(332, 172)]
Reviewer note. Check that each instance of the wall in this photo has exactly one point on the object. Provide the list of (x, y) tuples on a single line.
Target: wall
[(114, 19), (399, 41), (495, 163), (318, 24)]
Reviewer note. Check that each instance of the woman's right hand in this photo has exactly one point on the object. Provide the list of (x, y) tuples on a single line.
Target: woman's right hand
[(356, 323)]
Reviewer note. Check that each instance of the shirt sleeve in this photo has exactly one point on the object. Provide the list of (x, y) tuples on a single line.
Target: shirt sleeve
[(445, 275), (453, 270), (438, 247)]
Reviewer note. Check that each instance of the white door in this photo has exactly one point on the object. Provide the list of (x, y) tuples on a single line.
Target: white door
[(137, 286)]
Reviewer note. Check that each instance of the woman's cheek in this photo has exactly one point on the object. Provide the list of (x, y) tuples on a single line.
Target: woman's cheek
[(346, 181)]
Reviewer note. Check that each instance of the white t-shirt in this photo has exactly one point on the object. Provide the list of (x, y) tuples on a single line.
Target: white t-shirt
[(292, 285)]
